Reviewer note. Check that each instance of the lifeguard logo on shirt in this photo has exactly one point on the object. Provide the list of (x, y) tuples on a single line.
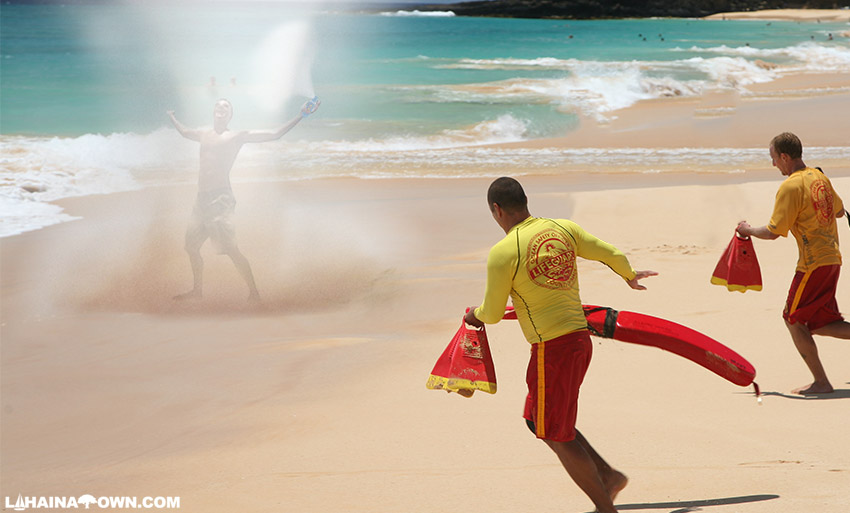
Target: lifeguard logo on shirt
[(822, 201), (551, 260)]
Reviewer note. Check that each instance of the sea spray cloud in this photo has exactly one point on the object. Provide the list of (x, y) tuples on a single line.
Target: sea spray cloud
[(281, 66)]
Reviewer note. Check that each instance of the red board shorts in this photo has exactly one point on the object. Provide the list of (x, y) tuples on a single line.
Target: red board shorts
[(811, 298), (555, 372)]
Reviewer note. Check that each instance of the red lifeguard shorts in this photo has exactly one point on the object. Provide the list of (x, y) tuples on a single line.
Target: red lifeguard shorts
[(555, 372), (811, 299)]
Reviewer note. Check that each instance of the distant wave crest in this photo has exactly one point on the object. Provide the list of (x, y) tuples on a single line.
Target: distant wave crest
[(597, 88), (428, 14), (807, 56), (501, 130), (593, 92)]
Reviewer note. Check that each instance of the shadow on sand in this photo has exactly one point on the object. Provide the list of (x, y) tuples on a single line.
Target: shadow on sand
[(839, 393), (689, 506)]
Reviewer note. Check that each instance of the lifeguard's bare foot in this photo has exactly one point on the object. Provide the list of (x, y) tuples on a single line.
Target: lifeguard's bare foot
[(614, 482), (188, 296), (254, 298), (814, 388)]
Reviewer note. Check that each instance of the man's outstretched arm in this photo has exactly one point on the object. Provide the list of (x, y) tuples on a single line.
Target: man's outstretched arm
[(256, 136), (188, 133), (594, 248), (761, 232)]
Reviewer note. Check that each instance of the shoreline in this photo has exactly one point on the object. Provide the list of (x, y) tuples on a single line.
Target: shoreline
[(552, 9), (658, 140), (724, 118)]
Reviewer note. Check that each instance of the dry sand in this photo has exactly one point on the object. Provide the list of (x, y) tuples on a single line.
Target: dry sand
[(813, 15), (315, 401)]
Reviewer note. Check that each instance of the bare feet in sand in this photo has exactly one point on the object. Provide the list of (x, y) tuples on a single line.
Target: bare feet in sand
[(614, 482), (815, 388)]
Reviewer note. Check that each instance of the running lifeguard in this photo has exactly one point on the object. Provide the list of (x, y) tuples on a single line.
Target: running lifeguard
[(535, 265), (807, 206), (212, 217)]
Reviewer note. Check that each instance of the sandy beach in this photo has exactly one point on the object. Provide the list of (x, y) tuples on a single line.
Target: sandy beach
[(315, 400), (813, 15)]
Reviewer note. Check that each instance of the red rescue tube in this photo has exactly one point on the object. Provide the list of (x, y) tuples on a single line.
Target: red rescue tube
[(652, 331)]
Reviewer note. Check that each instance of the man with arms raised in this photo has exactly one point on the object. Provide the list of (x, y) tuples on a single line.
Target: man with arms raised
[(807, 205), (212, 217), (535, 264)]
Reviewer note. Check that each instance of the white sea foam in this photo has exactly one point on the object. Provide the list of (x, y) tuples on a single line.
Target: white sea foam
[(594, 93), (600, 87), (597, 88), (37, 170), (809, 56), (721, 69), (23, 215), (732, 72), (415, 12)]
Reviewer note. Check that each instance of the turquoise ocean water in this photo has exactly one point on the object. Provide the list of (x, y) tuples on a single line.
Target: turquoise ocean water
[(85, 89)]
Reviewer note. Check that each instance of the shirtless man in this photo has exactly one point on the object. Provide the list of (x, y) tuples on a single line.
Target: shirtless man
[(212, 217)]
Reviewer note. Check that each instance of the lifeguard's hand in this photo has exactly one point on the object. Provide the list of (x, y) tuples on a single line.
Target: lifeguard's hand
[(470, 318), (744, 229), (639, 275)]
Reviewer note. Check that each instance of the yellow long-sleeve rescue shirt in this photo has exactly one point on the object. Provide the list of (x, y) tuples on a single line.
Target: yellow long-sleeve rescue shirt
[(535, 264)]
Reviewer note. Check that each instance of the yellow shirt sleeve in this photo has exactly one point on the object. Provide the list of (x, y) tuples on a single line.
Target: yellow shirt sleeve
[(501, 268), (592, 248)]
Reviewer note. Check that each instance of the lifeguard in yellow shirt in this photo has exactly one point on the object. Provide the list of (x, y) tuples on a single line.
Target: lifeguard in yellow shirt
[(535, 264), (807, 205)]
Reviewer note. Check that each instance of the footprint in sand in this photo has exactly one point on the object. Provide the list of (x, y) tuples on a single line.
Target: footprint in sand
[(681, 249)]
